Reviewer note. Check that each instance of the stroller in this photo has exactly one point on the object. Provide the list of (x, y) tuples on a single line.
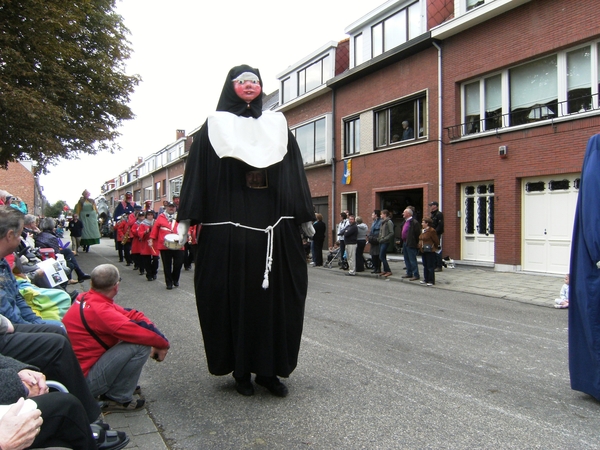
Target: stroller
[(334, 256)]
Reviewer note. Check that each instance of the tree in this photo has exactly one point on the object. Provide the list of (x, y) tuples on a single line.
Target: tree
[(63, 87), (54, 210)]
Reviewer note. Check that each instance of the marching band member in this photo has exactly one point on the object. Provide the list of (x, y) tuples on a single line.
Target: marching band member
[(172, 259)]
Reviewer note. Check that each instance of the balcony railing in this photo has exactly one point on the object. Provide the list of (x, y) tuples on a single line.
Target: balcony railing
[(536, 113)]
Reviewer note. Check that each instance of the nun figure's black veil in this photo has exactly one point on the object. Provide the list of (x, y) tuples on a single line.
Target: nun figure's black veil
[(247, 328), (230, 102)]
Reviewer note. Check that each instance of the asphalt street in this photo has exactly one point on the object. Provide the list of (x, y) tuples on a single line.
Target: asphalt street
[(383, 365)]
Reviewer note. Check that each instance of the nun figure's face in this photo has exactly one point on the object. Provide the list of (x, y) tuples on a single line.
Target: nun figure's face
[(247, 90)]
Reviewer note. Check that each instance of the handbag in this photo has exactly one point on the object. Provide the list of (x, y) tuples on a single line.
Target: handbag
[(373, 240), (427, 248)]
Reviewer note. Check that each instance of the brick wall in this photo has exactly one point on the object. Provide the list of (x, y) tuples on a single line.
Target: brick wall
[(534, 29), (19, 182)]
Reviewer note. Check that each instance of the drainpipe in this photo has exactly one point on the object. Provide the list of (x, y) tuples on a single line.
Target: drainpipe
[(333, 168), (440, 130)]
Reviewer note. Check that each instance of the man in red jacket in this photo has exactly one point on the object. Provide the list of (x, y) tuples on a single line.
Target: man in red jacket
[(112, 343)]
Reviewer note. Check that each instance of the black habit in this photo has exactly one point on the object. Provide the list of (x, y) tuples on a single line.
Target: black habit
[(247, 328)]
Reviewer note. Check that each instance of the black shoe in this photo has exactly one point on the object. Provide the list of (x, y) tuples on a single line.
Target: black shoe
[(107, 439), (244, 386), (83, 277), (120, 260), (135, 267), (128, 264), (176, 284), (275, 387), (376, 271), (169, 286), (154, 277)]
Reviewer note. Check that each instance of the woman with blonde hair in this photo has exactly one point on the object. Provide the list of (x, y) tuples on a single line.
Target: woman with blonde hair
[(88, 214)]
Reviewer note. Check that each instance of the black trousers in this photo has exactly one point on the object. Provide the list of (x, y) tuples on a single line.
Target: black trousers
[(150, 265), (65, 423), (172, 261), (47, 348), (360, 258), (124, 250)]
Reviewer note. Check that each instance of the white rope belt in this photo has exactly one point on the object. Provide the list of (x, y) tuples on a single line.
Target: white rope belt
[(269, 231)]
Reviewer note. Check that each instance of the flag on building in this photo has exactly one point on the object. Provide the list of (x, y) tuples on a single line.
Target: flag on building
[(347, 176)]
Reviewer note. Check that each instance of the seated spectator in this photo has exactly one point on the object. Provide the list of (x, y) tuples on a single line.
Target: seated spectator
[(48, 239), (112, 343), (54, 419), (12, 304), (47, 349), (562, 302)]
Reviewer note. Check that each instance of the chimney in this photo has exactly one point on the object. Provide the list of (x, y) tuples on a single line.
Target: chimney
[(179, 134)]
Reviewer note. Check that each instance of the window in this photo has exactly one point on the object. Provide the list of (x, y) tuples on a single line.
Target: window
[(554, 86), (479, 209), (533, 91), (157, 190), (148, 193), (403, 121), (359, 57), (352, 137), (137, 196), (164, 188), (311, 139), (314, 75), (396, 29), (471, 4), (286, 91), (175, 185), (579, 80)]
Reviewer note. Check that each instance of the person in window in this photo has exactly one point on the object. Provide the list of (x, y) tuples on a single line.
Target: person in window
[(408, 132), (251, 314)]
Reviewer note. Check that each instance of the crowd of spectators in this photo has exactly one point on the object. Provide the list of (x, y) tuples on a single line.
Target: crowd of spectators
[(91, 346)]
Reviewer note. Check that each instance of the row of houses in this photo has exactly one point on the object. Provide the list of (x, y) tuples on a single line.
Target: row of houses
[(484, 106)]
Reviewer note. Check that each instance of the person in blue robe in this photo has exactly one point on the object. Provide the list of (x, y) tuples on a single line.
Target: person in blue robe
[(584, 305)]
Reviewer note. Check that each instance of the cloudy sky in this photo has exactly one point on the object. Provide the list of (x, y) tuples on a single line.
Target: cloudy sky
[(183, 50)]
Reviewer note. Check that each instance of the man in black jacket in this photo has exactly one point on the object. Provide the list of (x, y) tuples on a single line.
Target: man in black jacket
[(438, 224)]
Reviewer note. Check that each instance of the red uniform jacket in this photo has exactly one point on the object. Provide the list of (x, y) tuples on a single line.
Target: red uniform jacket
[(162, 227), (112, 323), (143, 233)]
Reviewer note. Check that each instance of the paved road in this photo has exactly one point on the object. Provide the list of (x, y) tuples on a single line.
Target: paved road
[(383, 365)]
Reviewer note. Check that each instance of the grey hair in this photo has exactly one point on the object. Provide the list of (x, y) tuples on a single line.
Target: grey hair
[(29, 219), (10, 219), (410, 211), (104, 277), (358, 219), (47, 223)]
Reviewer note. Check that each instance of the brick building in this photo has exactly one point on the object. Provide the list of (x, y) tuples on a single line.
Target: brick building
[(20, 181)]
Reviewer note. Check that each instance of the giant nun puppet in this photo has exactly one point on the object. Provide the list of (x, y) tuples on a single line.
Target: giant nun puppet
[(584, 290), (245, 184)]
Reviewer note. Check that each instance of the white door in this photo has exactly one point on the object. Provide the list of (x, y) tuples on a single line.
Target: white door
[(477, 221), (548, 212)]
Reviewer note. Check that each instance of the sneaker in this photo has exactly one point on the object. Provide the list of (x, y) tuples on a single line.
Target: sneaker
[(112, 406), (429, 284), (422, 282)]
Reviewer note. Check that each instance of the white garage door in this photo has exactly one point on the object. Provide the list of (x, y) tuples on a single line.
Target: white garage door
[(548, 213)]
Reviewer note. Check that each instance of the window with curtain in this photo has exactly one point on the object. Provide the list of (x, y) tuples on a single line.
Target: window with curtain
[(472, 108), (534, 91), (493, 102), (579, 80)]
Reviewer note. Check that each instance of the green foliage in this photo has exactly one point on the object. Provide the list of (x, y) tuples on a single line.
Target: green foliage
[(54, 210), (63, 87)]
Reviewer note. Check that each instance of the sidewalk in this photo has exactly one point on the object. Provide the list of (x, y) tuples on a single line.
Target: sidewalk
[(536, 289)]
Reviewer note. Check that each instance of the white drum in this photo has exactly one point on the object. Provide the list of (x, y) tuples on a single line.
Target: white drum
[(172, 242)]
